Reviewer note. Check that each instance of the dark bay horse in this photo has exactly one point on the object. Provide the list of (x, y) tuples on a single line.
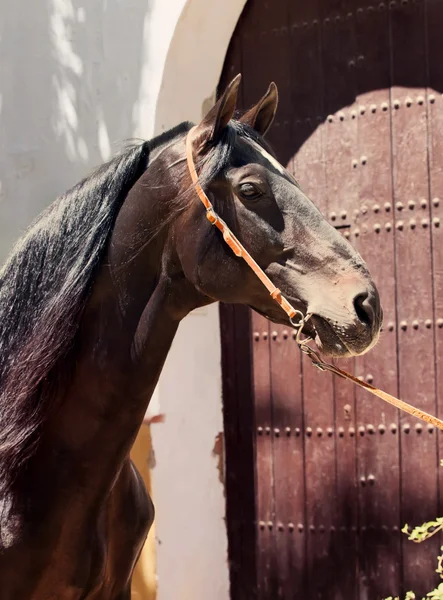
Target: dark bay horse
[(90, 300)]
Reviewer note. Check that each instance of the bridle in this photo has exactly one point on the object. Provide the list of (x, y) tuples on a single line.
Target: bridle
[(296, 317)]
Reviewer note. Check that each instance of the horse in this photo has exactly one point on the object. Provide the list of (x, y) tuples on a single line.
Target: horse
[(90, 300)]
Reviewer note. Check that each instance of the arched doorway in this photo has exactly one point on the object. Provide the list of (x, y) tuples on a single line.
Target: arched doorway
[(321, 477)]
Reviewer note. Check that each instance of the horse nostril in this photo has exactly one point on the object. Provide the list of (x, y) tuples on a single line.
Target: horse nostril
[(364, 309)]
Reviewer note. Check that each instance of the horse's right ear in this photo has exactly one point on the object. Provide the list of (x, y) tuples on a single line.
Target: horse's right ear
[(220, 114)]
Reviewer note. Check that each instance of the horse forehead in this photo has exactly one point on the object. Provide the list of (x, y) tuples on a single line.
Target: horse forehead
[(274, 162)]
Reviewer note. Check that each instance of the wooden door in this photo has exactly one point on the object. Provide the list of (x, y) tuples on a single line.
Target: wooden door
[(321, 476)]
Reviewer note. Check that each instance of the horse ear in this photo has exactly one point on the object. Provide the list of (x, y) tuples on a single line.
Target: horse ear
[(221, 113), (260, 116)]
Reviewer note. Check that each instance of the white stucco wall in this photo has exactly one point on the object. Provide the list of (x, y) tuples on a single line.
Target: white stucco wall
[(77, 79)]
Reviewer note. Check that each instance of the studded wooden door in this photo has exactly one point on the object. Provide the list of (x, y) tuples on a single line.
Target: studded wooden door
[(321, 477)]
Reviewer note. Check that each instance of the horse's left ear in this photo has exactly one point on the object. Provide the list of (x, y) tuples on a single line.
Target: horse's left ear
[(221, 113), (260, 116)]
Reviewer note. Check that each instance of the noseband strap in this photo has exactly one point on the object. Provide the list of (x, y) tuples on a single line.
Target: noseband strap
[(292, 312)]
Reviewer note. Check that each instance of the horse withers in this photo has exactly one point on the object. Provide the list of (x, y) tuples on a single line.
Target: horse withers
[(90, 300)]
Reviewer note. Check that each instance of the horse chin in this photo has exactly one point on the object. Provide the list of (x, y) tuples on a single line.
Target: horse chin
[(339, 344), (327, 340), (316, 329)]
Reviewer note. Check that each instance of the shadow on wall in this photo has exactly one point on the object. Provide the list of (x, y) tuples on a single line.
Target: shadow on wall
[(70, 75)]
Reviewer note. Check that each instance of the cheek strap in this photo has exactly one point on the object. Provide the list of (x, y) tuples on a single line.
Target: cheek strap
[(237, 248)]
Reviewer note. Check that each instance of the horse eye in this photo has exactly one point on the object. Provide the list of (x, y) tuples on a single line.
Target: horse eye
[(249, 191)]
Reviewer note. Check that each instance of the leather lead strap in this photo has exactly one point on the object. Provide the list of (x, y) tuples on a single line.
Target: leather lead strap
[(318, 362), (276, 294)]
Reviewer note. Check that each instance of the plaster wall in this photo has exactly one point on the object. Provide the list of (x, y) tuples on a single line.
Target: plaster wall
[(77, 79)]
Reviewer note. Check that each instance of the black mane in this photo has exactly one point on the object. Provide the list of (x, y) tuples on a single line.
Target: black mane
[(44, 287)]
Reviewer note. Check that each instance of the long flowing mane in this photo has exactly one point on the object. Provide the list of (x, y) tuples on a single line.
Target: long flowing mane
[(44, 287), (45, 284)]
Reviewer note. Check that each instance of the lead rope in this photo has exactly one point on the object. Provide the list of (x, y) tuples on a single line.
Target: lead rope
[(292, 312)]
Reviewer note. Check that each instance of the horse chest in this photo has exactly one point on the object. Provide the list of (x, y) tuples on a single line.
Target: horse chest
[(92, 560)]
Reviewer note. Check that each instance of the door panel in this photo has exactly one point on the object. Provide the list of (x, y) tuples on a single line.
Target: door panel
[(337, 473)]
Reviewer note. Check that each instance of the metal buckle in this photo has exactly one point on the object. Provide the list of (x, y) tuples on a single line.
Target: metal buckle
[(303, 344), (301, 322), (313, 355), (299, 326)]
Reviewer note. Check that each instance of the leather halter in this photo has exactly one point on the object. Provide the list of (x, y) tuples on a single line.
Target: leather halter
[(233, 242), (278, 297)]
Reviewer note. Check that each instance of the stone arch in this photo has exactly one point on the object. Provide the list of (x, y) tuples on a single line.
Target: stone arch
[(195, 60)]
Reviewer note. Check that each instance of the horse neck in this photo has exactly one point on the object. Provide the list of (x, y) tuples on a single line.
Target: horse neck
[(128, 326)]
